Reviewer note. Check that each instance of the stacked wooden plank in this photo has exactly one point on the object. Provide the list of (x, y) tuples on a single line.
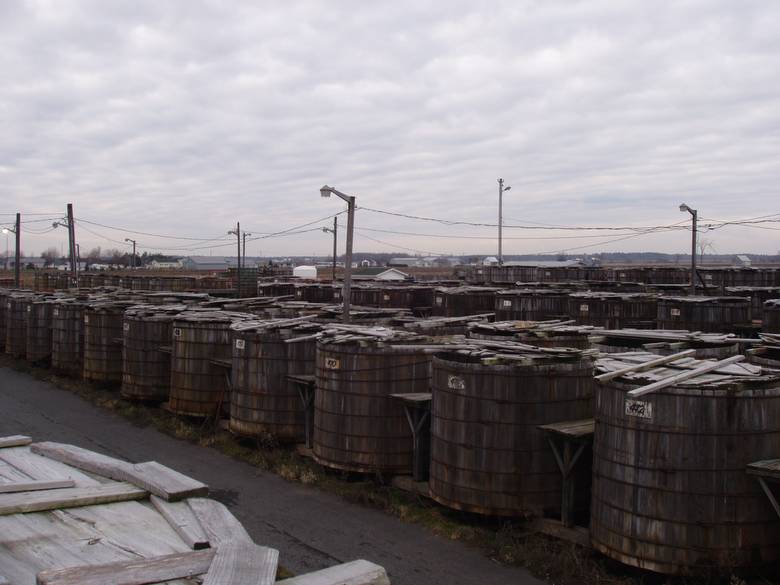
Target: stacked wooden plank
[(70, 516)]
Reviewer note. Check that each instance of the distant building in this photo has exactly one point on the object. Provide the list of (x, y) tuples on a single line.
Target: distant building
[(744, 261), (164, 265), (211, 263), (379, 273)]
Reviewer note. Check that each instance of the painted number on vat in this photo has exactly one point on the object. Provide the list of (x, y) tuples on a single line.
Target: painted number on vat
[(176, 332), (639, 409), (240, 344), (456, 383), (332, 364), (675, 312)]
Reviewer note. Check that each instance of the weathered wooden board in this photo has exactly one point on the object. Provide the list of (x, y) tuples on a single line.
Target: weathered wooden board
[(220, 525), (33, 486), (14, 441), (242, 563), (769, 468), (68, 498), (82, 459), (163, 481), (151, 476), (355, 573), (183, 520), (134, 572), (38, 467)]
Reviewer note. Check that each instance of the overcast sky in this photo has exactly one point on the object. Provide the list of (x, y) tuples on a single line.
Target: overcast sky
[(181, 117)]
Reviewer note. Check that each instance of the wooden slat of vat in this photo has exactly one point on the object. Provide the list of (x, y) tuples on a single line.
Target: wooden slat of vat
[(220, 525), (68, 498), (183, 520), (355, 573), (33, 486), (242, 563), (135, 572), (14, 441), (666, 382)]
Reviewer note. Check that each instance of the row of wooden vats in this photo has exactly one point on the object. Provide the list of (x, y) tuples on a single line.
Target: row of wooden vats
[(500, 416), (715, 279), (49, 281)]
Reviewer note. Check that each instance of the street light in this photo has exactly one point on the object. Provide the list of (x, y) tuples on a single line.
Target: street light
[(132, 262), (694, 217), (501, 190), (237, 232), (333, 231), (326, 191)]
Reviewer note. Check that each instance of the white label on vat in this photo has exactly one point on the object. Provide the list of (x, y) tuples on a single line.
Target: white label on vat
[(386, 297), (456, 383), (29, 308), (332, 364), (337, 294), (86, 318), (439, 301), (176, 332), (240, 344), (708, 277), (584, 308), (622, 275), (675, 312), (548, 273), (506, 303), (56, 312), (126, 326), (298, 293), (639, 409)]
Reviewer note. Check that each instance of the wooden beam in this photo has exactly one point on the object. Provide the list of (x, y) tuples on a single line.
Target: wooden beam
[(220, 525), (83, 459), (355, 573), (184, 522), (135, 572), (68, 498), (163, 481), (644, 366), (32, 486), (687, 375), (242, 563), (15, 441), (153, 477)]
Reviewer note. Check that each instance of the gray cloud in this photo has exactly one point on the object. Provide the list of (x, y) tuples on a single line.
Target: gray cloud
[(181, 117)]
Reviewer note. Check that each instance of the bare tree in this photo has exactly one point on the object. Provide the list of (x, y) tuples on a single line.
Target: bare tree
[(94, 254), (703, 244), (50, 255)]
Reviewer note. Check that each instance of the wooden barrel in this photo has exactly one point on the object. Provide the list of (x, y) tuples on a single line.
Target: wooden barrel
[(314, 292), (530, 333), (670, 492), (103, 341), (39, 324), (758, 296), (710, 314), (67, 336), (200, 362), (605, 343), (766, 356), (536, 304), (357, 426), (464, 300), (16, 323), (487, 454), (146, 365), (771, 322), (263, 401), (614, 310)]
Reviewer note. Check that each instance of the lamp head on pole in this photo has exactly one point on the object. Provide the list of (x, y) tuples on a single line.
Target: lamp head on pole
[(6, 230), (507, 188), (684, 207), (325, 191)]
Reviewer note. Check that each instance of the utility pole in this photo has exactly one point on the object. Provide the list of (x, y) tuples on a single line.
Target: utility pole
[(237, 233), (132, 260), (17, 265), (72, 246), (694, 218), (334, 231), (326, 191), (501, 190), (244, 235)]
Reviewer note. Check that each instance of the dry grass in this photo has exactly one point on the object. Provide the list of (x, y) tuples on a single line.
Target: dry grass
[(508, 542)]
